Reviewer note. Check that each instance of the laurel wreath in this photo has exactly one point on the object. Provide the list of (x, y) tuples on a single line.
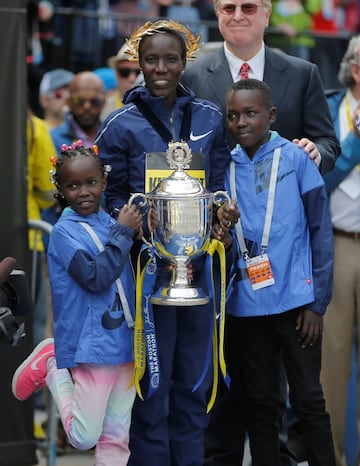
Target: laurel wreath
[(149, 28)]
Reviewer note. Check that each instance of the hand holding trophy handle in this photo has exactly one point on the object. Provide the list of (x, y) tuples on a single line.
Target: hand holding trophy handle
[(228, 208), (142, 203)]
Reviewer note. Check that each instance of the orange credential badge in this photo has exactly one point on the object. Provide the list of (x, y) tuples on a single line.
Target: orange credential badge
[(260, 272)]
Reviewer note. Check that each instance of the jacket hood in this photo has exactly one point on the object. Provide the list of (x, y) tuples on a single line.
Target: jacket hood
[(275, 141)]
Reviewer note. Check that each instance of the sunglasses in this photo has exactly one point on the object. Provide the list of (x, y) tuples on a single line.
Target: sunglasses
[(125, 72), (246, 8), (80, 102), (58, 94)]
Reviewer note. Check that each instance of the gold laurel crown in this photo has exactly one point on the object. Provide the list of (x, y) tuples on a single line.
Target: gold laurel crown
[(149, 28)]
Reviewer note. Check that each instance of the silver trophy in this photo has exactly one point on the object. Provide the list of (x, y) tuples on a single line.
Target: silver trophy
[(184, 216)]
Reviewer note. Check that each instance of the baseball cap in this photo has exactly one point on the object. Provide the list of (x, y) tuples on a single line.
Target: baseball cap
[(54, 79), (107, 76), (120, 56)]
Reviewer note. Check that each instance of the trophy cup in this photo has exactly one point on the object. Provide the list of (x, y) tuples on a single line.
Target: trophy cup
[(184, 213)]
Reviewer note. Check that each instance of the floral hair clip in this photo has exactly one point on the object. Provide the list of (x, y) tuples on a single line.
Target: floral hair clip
[(73, 146), (54, 160)]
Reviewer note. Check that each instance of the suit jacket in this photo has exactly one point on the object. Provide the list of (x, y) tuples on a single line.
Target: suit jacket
[(298, 95)]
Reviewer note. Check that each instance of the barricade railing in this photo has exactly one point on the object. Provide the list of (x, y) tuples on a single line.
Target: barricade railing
[(49, 445)]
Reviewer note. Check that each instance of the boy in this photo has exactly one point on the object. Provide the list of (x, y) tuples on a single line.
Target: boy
[(281, 279)]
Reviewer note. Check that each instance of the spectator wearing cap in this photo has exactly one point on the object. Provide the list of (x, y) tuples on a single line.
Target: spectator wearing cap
[(86, 99), (128, 74), (53, 94), (108, 77)]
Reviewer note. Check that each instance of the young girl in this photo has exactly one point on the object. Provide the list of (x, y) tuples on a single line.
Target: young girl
[(90, 369)]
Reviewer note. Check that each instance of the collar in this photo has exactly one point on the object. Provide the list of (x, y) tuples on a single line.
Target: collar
[(88, 142), (256, 63)]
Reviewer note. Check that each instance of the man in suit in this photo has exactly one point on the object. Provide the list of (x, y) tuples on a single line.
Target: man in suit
[(302, 116)]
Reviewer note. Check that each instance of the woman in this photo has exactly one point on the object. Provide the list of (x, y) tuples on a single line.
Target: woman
[(167, 427)]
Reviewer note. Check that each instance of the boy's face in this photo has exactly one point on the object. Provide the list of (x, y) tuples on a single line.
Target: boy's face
[(249, 119)]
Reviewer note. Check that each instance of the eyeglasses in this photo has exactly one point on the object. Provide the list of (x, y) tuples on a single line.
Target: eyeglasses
[(58, 94), (125, 72), (80, 102), (246, 8)]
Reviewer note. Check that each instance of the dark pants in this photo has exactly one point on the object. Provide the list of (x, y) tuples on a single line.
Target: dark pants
[(167, 429), (259, 345), (225, 433)]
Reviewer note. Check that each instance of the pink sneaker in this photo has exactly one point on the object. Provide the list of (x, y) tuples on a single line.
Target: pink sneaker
[(30, 375)]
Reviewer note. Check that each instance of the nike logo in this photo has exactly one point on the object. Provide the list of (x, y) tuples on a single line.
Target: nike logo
[(114, 318), (199, 136), (34, 364)]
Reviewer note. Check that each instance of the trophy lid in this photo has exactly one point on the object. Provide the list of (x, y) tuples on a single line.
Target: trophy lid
[(179, 183)]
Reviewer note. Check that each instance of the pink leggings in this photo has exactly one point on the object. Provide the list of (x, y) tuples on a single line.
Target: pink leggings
[(94, 404)]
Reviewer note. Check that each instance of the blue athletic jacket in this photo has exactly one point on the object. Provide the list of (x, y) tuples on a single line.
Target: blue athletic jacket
[(89, 323), (125, 136), (300, 246)]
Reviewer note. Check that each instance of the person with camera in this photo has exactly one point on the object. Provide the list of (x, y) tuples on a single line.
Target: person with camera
[(11, 331)]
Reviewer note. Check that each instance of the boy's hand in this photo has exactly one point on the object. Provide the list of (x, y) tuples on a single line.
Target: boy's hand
[(310, 327), (218, 233), (131, 217), (228, 215)]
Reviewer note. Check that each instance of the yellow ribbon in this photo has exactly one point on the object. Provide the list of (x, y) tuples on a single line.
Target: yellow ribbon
[(210, 247), (139, 337)]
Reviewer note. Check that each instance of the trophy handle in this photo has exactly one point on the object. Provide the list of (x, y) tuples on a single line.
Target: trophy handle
[(219, 197), (142, 203), (135, 196)]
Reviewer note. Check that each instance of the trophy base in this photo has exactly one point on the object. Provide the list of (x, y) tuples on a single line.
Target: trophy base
[(180, 296)]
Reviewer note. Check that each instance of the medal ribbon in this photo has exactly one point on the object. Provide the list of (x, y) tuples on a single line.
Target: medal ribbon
[(211, 247), (145, 337), (145, 346)]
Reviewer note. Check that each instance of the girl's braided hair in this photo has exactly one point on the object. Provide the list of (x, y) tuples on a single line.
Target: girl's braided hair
[(69, 152)]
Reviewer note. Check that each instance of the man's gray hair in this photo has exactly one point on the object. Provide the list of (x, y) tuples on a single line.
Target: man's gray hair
[(352, 56)]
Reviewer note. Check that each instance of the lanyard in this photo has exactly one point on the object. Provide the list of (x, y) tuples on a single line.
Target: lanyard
[(269, 207), (348, 112), (122, 296)]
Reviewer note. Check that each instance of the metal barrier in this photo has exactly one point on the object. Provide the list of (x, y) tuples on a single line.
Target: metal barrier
[(49, 445)]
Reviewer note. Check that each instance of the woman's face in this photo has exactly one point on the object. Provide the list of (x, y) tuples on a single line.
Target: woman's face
[(162, 64)]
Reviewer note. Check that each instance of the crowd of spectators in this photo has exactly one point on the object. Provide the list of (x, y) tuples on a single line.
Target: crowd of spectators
[(82, 35)]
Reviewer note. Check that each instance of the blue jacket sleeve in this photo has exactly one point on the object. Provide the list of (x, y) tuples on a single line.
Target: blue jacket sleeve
[(319, 220), (219, 161), (96, 273), (112, 153)]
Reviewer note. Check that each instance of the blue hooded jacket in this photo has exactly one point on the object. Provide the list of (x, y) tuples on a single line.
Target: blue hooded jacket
[(300, 246), (89, 322)]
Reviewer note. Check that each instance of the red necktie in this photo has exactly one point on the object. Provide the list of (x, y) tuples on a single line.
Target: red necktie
[(244, 71)]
